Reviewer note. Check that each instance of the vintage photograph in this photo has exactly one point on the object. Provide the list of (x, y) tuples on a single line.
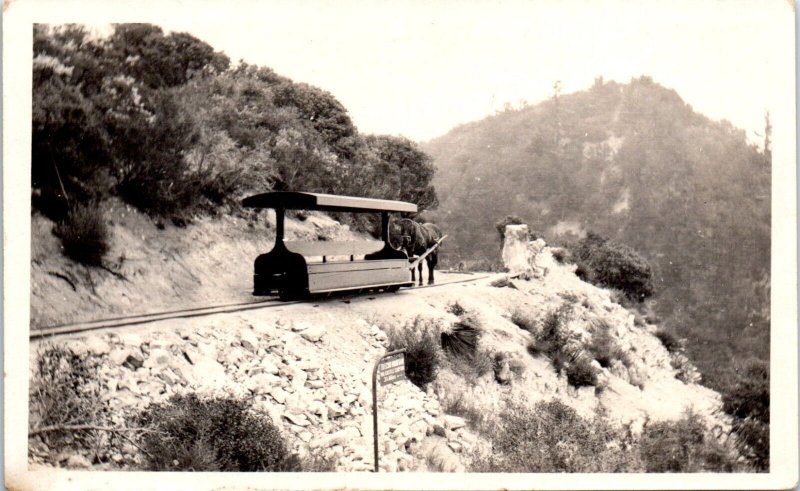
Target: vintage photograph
[(474, 240)]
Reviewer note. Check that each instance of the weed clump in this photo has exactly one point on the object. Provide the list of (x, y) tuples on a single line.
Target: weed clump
[(683, 446), (604, 349), (84, 235), (552, 437), (193, 434), (421, 341), (524, 321), (553, 341), (64, 393)]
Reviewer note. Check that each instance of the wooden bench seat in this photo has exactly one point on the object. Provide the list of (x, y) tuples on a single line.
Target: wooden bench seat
[(325, 248)]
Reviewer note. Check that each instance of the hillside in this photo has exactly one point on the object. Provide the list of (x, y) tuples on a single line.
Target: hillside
[(307, 366), (633, 163)]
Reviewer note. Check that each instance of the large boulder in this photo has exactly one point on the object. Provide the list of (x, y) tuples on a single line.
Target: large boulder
[(517, 256)]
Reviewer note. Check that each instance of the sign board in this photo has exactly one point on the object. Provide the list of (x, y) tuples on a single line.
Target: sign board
[(389, 368), (392, 368)]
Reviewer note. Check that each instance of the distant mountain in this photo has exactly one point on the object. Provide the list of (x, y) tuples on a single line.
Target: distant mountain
[(635, 163)]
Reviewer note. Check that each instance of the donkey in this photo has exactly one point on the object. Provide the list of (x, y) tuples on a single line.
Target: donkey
[(418, 238)]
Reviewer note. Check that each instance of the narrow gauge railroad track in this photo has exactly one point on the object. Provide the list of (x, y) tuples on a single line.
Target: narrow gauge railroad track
[(130, 320)]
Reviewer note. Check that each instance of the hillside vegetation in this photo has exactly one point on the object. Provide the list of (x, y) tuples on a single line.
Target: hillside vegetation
[(635, 164), (167, 124)]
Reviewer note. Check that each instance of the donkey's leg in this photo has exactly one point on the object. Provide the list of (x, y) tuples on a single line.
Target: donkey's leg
[(413, 275), (420, 273), (431, 266)]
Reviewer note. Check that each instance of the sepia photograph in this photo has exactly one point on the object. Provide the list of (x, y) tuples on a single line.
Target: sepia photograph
[(406, 245)]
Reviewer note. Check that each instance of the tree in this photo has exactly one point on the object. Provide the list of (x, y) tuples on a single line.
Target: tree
[(411, 166)]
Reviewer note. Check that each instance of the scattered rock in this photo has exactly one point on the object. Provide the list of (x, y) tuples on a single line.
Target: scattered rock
[(77, 461), (296, 419), (313, 333), (158, 358), (96, 346), (454, 422), (249, 340)]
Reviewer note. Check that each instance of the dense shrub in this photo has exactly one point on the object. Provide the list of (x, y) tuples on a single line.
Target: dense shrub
[(748, 401), (683, 446), (64, 392), (552, 437), (421, 340), (671, 342), (193, 434), (605, 263), (84, 235), (581, 373)]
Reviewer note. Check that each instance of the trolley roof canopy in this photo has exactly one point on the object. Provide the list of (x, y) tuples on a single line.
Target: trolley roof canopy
[(325, 202)]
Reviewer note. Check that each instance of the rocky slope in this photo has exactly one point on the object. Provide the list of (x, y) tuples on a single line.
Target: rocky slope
[(309, 365)]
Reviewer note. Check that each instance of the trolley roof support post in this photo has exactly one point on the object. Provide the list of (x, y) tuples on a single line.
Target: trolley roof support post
[(279, 219), (385, 226)]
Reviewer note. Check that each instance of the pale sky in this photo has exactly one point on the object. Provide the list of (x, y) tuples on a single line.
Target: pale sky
[(419, 68)]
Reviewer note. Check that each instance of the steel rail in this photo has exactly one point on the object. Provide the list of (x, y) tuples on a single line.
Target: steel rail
[(113, 322)]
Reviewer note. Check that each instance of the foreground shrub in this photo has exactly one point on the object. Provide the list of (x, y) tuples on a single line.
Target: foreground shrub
[(423, 355), (64, 393), (684, 446), (608, 264), (748, 401), (84, 235), (193, 434), (552, 437)]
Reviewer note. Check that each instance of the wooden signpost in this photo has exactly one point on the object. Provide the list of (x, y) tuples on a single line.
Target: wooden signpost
[(391, 368)]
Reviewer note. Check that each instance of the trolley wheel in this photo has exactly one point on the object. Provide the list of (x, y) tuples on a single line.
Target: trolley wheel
[(392, 288)]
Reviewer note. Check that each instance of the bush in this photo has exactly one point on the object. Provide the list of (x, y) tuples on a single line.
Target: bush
[(193, 434), (608, 264), (683, 446), (456, 309), (552, 437), (604, 349), (671, 342), (64, 391), (552, 341), (423, 354), (553, 336), (83, 234), (523, 321), (581, 373), (560, 255), (748, 401)]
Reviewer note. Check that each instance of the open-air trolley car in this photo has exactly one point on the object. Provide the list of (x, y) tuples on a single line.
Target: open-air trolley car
[(291, 269)]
